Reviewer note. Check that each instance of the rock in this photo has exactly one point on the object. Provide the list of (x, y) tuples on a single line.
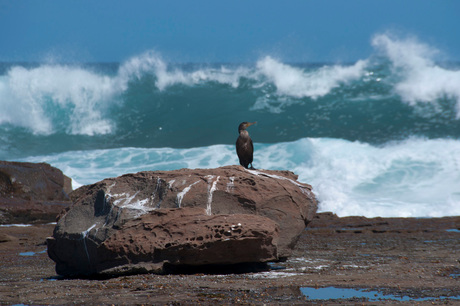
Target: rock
[(183, 236), (142, 221), (6, 238), (32, 192)]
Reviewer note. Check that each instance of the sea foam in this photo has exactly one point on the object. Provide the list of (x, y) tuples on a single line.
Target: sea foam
[(412, 178)]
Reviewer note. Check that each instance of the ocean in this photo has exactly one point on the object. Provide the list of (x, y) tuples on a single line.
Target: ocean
[(375, 137)]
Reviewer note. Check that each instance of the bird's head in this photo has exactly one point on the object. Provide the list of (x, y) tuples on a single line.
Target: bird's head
[(245, 125)]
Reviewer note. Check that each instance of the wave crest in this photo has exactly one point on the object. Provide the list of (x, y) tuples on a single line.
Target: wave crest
[(47, 98), (421, 80), (59, 98), (298, 83)]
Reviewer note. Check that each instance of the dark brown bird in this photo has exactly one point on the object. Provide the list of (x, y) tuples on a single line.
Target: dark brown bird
[(244, 146)]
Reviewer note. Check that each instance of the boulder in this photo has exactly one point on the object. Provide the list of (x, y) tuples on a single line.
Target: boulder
[(145, 220), (31, 192), (183, 236)]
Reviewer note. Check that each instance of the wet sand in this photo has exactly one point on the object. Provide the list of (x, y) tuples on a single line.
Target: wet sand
[(417, 260)]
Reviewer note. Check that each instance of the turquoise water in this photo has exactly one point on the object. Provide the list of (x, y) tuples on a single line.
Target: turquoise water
[(377, 137)]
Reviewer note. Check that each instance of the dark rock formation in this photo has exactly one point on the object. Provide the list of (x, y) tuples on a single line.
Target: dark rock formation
[(32, 192), (139, 222), (184, 236)]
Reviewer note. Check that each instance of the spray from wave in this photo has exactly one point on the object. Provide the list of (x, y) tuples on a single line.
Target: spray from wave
[(295, 82), (421, 80)]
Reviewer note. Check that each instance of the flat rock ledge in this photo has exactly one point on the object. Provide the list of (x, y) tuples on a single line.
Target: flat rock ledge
[(143, 222)]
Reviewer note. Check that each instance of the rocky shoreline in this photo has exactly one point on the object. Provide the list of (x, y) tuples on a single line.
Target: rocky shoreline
[(413, 261), (185, 237)]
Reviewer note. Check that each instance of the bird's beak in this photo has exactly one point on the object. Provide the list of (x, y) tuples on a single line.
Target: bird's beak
[(251, 123)]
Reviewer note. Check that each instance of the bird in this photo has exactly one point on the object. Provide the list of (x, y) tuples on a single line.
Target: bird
[(244, 146)]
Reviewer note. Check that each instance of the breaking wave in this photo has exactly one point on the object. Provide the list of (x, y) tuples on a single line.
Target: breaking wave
[(53, 98), (420, 79)]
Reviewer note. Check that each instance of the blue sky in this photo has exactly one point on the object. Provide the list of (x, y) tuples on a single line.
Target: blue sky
[(218, 30)]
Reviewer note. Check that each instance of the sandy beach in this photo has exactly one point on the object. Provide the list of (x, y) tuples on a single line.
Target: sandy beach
[(401, 260)]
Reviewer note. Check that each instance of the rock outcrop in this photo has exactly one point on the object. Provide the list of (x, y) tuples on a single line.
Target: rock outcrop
[(32, 192), (184, 236), (142, 221)]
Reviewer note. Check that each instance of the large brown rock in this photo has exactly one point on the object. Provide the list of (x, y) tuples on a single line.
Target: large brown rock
[(31, 192), (183, 236), (119, 223)]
